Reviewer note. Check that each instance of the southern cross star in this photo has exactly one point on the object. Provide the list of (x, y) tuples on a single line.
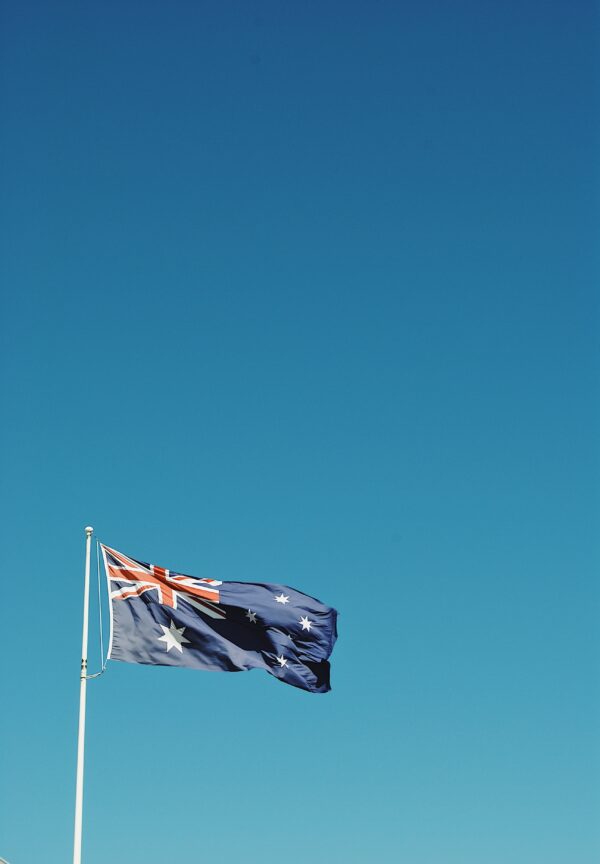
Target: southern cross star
[(173, 637), (306, 623), (251, 616), (282, 599), (282, 661)]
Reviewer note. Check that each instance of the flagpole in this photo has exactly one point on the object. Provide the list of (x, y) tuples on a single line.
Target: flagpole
[(82, 692)]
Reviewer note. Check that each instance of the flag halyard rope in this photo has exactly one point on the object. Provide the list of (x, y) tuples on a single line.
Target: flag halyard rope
[(102, 659)]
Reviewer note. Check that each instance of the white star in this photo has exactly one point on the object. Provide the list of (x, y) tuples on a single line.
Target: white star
[(282, 661), (282, 599), (173, 637), (306, 623), (251, 616)]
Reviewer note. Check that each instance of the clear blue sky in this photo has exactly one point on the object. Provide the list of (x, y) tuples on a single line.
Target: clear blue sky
[(305, 293)]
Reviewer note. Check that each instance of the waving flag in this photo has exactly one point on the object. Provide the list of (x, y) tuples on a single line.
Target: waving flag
[(164, 618)]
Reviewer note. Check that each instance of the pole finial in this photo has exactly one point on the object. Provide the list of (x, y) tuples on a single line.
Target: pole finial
[(89, 530)]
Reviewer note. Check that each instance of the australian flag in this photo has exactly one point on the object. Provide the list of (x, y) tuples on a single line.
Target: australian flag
[(164, 618)]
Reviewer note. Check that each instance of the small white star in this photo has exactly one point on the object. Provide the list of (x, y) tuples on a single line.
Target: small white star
[(251, 616), (282, 599), (282, 661), (173, 637), (306, 623)]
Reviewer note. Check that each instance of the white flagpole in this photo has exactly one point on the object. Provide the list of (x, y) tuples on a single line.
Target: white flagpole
[(82, 690)]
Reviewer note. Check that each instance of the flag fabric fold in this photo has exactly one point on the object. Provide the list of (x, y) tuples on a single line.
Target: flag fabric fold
[(160, 617)]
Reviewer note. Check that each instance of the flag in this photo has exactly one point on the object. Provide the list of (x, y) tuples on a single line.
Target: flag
[(163, 618)]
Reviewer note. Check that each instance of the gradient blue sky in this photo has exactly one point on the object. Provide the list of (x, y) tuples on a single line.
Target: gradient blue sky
[(305, 292)]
